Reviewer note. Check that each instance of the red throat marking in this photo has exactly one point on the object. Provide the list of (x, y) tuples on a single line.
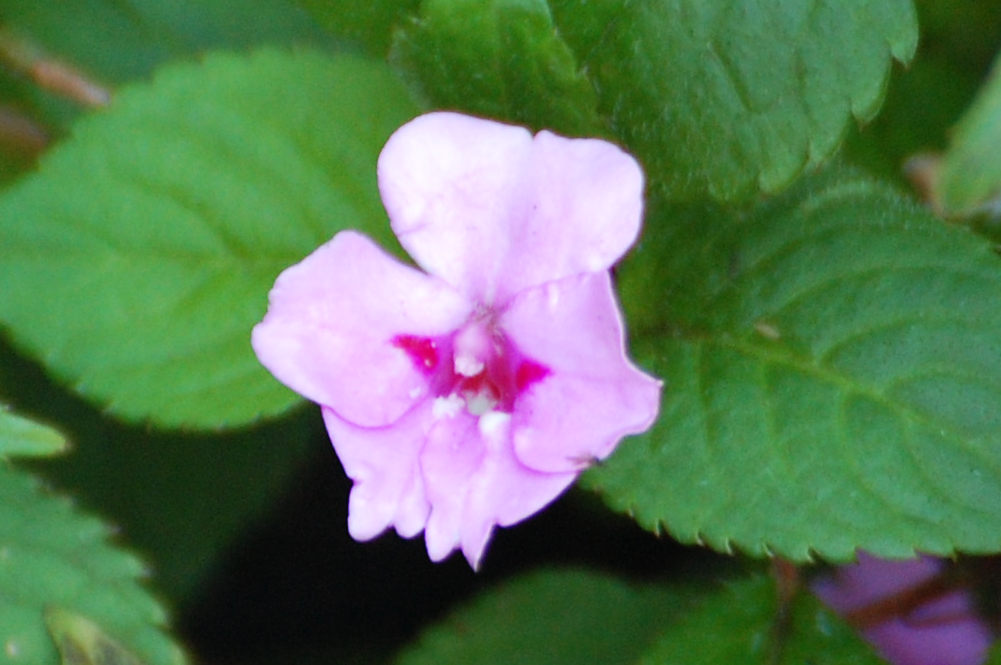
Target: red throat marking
[(422, 350), (529, 372)]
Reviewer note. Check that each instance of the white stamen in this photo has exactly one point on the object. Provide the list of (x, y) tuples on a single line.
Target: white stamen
[(479, 403), (447, 407), (468, 365), (492, 422)]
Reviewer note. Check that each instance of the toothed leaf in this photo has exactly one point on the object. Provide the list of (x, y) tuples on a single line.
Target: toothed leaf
[(832, 362)]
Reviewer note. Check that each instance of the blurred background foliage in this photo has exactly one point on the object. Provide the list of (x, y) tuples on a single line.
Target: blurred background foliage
[(244, 530)]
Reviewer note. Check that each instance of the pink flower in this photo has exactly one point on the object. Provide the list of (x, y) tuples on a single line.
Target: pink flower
[(902, 608), (471, 394)]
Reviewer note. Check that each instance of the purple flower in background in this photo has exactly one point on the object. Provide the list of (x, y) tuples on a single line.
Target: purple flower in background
[(906, 613), (473, 393)]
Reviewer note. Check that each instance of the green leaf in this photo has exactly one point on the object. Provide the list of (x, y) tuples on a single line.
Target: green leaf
[(20, 437), (921, 106), (832, 372), (164, 480), (82, 642), (970, 173), (500, 59), (138, 259), (137, 36), (368, 24), (53, 556), (729, 99), (994, 656), (965, 33), (551, 617), (958, 42), (743, 623)]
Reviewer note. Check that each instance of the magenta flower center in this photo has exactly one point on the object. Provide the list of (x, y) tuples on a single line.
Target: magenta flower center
[(475, 368)]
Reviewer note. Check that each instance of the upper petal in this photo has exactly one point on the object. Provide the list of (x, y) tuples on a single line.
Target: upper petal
[(331, 321), (593, 395), (493, 210)]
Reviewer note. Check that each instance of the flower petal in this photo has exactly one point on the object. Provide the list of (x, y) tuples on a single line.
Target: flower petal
[(474, 483), (504, 491), (331, 321), (383, 463), (449, 461), (492, 210), (593, 395), (945, 630)]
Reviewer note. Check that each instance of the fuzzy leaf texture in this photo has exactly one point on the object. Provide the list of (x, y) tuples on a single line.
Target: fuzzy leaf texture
[(742, 624), (501, 59), (551, 617), (970, 175), (53, 556), (832, 372), (729, 99), (20, 437), (139, 257)]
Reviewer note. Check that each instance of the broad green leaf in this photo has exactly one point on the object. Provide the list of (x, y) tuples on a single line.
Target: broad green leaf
[(20, 437), (548, 618), (368, 24), (82, 642), (164, 480), (832, 367), (744, 624), (53, 556), (501, 59), (921, 106), (118, 41), (729, 99), (140, 256), (958, 42), (970, 172), (111, 42)]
